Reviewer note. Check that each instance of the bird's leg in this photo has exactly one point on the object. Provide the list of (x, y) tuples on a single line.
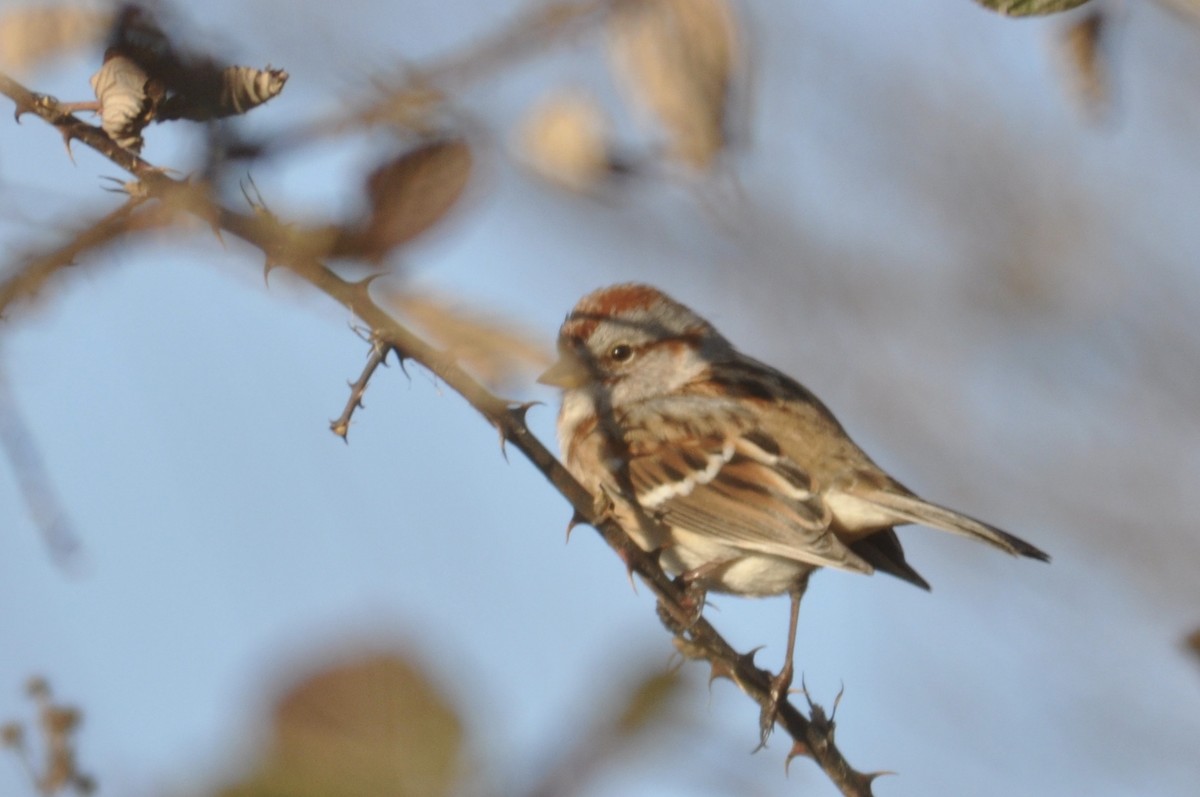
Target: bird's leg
[(782, 682)]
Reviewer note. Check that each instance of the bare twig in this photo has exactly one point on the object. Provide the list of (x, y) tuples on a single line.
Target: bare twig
[(35, 485), (378, 356), (263, 231)]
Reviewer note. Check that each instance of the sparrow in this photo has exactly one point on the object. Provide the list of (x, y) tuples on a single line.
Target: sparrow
[(734, 473)]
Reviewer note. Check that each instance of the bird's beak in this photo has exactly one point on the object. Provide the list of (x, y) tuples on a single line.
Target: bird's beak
[(569, 372)]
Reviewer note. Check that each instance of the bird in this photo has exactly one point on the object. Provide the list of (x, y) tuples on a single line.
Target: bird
[(737, 476)]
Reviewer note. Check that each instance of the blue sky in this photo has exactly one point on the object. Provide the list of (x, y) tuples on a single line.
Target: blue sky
[(995, 297)]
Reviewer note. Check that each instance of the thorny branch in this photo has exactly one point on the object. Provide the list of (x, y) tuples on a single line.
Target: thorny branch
[(28, 279), (812, 736), (378, 357)]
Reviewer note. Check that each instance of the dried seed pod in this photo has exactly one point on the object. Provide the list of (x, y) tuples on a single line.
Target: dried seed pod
[(194, 87), (227, 92), (565, 140), (678, 58), (127, 99)]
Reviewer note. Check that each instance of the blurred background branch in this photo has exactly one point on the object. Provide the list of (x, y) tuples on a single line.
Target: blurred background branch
[(991, 285)]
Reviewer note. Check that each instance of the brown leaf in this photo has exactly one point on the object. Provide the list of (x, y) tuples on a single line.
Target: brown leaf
[(227, 92), (372, 726), (678, 58), (127, 99), (188, 85), (408, 195), (31, 35)]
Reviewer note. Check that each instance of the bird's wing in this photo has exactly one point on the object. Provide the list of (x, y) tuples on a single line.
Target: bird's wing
[(739, 492)]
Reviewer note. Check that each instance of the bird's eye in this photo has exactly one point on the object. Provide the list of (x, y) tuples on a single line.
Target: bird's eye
[(621, 352)]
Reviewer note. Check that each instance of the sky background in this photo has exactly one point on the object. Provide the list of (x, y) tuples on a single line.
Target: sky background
[(995, 295)]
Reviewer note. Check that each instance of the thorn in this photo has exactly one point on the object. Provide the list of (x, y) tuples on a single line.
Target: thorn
[(799, 748), (747, 658), (256, 202), (628, 560), (719, 669), (836, 701), (576, 520), (521, 409), (119, 186), (269, 265), (503, 443), (807, 697), (66, 134), (363, 285)]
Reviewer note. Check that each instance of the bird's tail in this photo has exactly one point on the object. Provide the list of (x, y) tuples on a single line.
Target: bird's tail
[(911, 509)]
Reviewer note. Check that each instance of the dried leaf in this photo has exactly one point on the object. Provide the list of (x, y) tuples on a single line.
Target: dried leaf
[(565, 140), (408, 195), (492, 349), (127, 98), (227, 92), (1084, 58), (31, 35), (677, 58), (188, 86), (1029, 8), (369, 727)]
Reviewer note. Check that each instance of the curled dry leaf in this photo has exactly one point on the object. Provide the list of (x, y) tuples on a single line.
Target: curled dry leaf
[(494, 350), (31, 35), (1081, 45), (372, 726), (143, 65), (678, 59), (565, 140), (408, 195), (127, 97), (213, 93), (1029, 8)]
